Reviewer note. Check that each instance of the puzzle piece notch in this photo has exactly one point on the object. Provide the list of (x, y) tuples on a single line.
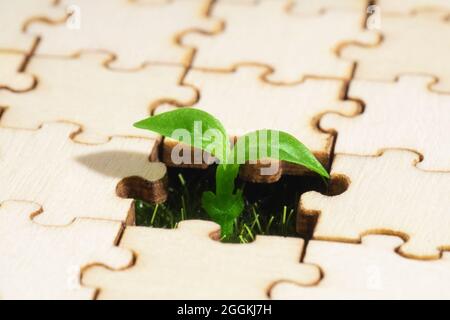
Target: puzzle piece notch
[(40, 262), (417, 120), (14, 16), (10, 76), (158, 22), (70, 82), (413, 6), (400, 34), (232, 96), (386, 195), (169, 264), (74, 180), (248, 38), (370, 270)]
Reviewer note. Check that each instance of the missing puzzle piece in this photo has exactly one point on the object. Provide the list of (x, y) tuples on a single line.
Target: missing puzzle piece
[(245, 103), (186, 263)]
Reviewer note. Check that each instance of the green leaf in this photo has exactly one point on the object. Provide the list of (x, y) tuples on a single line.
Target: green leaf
[(271, 144), (205, 132)]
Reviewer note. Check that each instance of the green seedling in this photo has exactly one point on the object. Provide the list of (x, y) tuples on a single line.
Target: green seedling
[(198, 129)]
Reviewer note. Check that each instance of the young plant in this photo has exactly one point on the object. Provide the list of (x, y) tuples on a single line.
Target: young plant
[(202, 131)]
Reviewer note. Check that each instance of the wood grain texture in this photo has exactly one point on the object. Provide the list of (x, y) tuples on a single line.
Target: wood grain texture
[(71, 179), (411, 6), (10, 76), (244, 103), (13, 18), (186, 263), (136, 32), (402, 114), (423, 33), (320, 6), (105, 103), (286, 43), (40, 262), (371, 270), (386, 195)]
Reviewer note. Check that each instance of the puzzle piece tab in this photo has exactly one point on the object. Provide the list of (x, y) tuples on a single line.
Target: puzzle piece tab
[(10, 77), (186, 263), (41, 262), (421, 33), (287, 43), (371, 270), (74, 180), (245, 103), (13, 17), (401, 114), (135, 32), (105, 103), (386, 195)]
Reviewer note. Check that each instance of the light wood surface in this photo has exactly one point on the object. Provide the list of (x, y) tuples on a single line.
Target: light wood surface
[(410, 6), (74, 180), (385, 195), (105, 103), (371, 270), (310, 7), (186, 264), (402, 114), (320, 6), (40, 262), (286, 43), (423, 33), (244, 103), (136, 32), (13, 18), (10, 76)]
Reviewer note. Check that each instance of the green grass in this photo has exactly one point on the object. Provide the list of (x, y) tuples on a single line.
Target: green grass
[(270, 209)]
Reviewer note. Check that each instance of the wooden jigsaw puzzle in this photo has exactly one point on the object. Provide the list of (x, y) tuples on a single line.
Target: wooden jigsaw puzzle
[(92, 207)]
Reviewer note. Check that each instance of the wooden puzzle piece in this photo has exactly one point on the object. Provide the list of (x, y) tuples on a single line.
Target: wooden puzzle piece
[(105, 103), (411, 6), (423, 33), (186, 263), (10, 76), (135, 32), (245, 103), (40, 262), (299, 52), (13, 17), (401, 114), (371, 270), (74, 180), (320, 6), (386, 195)]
